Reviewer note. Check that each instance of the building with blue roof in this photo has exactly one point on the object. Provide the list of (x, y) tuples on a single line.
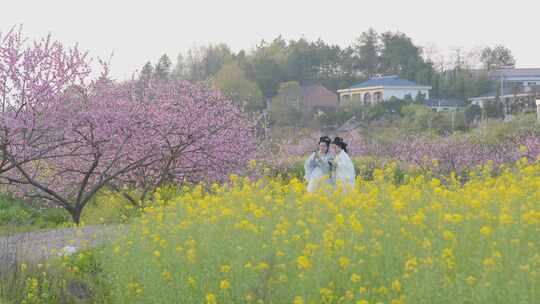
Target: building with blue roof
[(382, 88), (519, 86)]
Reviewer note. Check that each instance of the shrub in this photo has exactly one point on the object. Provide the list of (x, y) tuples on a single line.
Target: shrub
[(109, 207), (18, 216), (71, 279)]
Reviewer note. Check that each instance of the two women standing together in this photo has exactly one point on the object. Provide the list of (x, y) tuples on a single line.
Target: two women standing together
[(332, 167)]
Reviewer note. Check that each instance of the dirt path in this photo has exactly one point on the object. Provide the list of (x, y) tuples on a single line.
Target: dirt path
[(35, 246)]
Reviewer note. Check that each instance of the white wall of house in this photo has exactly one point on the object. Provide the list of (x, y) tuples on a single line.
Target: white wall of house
[(400, 93), (358, 95), (478, 102)]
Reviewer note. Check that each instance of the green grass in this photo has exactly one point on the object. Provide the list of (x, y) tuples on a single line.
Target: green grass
[(17, 216), (75, 279)]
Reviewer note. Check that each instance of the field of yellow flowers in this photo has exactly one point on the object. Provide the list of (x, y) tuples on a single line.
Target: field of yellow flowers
[(264, 241)]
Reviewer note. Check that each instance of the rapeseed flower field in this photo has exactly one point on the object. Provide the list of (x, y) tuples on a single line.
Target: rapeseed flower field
[(268, 241)]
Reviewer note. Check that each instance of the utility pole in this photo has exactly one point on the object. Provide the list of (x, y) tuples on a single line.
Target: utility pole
[(502, 68), (502, 91), (453, 119), (265, 124), (265, 113)]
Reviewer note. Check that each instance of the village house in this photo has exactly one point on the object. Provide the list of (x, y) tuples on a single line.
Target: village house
[(513, 87), (444, 105), (311, 99), (382, 88), (316, 97)]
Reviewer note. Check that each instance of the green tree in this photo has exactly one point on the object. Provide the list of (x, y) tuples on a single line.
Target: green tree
[(367, 49), (497, 57), (215, 57), (420, 98), (400, 56), (331, 68), (180, 71), (417, 118), (232, 81), (163, 67), (277, 50), (268, 75), (494, 109), (194, 64), (145, 76), (472, 112), (286, 106), (200, 63), (147, 72), (462, 84), (349, 70), (302, 61)]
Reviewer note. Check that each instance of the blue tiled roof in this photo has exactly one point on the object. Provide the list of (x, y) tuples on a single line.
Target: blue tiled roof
[(387, 81)]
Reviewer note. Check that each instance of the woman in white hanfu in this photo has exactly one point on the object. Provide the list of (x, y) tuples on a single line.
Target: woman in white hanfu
[(343, 172), (317, 166)]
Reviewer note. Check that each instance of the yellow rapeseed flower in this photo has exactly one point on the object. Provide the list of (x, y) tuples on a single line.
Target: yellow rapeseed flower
[(211, 299), (262, 266), (225, 268), (396, 286), (191, 281), (411, 264), (355, 278), (166, 275), (470, 280), (303, 262), (489, 262), (248, 297), (449, 235), (344, 262), (224, 285), (485, 230)]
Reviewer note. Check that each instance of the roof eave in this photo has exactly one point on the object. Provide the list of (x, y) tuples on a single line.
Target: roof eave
[(412, 87), (349, 90), (504, 96)]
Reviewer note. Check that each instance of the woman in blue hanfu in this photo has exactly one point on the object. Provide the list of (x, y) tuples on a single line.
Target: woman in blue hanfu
[(343, 173), (317, 166)]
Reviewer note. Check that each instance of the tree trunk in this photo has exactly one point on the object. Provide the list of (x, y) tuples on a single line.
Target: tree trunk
[(131, 200), (76, 215)]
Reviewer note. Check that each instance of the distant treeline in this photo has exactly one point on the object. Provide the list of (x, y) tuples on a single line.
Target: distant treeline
[(253, 76)]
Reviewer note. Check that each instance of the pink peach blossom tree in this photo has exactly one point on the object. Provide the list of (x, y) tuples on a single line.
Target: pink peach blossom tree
[(64, 137)]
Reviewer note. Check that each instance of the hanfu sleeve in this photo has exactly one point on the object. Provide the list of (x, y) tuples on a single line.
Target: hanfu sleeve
[(346, 169), (309, 165)]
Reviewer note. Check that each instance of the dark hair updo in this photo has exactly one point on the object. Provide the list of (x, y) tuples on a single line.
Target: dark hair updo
[(338, 141), (326, 140)]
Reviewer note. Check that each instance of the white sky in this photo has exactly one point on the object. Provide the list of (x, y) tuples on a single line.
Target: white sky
[(138, 31)]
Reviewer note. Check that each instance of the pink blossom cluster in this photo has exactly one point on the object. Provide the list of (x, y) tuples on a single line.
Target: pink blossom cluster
[(440, 155), (64, 136)]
